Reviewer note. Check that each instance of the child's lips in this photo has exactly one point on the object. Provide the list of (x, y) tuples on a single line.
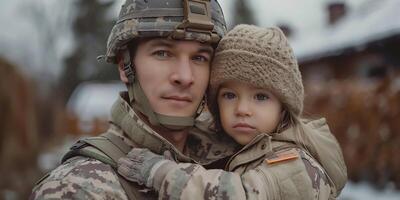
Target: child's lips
[(243, 127)]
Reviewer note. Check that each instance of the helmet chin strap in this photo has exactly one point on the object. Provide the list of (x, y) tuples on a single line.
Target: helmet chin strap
[(139, 101)]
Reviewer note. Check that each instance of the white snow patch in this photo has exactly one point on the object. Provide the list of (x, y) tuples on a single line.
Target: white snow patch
[(94, 100), (364, 191)]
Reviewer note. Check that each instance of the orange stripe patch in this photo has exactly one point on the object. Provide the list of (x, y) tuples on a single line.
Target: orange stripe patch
[(284, 156)]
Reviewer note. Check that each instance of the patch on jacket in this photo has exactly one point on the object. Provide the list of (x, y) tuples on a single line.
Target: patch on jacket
[(282, 156)]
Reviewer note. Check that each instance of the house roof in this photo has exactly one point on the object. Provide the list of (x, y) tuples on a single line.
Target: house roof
[(374, 21)]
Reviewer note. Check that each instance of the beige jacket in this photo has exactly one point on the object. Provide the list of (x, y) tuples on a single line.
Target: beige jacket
[(267, 168)]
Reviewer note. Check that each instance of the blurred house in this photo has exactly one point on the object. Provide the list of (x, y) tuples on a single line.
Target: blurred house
[(362, 44), (89, 106), (351, 71)]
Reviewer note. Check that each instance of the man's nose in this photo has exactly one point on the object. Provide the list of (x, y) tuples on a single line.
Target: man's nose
[(243, 108), (183, 73)]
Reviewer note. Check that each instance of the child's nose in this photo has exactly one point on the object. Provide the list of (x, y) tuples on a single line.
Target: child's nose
[(243, 108)]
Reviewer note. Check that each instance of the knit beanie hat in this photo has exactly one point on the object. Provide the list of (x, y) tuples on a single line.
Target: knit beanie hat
[(261, 57)]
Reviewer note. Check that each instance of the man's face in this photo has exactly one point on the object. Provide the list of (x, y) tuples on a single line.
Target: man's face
[(173, 74)]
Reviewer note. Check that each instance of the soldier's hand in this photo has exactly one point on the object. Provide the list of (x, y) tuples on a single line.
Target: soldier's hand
[(142, 166)]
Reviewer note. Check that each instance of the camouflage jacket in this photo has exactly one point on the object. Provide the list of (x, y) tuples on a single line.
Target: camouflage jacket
[(267, 168), (87, 178)]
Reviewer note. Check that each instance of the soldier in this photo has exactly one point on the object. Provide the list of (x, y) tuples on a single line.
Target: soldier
[(256, 94), (163, 49)]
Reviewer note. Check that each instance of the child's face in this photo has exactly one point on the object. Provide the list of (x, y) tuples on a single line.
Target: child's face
[(246, 111)]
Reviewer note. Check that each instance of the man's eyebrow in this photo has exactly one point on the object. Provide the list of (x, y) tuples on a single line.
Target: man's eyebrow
[(206, 49), (161, 42)]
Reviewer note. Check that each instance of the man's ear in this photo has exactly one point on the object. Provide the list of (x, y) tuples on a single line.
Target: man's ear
[(122, 74)]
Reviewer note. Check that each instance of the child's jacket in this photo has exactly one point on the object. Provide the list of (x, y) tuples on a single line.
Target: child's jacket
[(267, 168)]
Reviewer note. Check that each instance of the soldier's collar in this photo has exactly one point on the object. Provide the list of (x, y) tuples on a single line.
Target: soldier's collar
[(139, 132)]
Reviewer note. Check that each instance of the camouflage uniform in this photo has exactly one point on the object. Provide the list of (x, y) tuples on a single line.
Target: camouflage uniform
[(266, 168), (87, 178)]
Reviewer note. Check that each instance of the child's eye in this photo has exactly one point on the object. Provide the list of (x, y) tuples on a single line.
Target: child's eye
[(228, 95), (261, 97)]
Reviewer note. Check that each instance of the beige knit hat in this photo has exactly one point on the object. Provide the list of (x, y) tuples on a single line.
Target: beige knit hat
[(261, 57)]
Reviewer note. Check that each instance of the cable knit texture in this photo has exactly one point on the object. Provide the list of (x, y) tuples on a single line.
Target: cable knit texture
[(261, 57)]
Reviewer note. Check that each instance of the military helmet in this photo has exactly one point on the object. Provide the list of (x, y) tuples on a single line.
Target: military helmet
[(200, 20), (197, 20)]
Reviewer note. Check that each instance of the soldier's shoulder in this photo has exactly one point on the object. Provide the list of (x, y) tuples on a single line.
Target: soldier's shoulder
[(82, 178)]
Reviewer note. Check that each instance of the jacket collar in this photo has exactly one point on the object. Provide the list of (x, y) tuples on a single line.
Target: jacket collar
[(202, 146)]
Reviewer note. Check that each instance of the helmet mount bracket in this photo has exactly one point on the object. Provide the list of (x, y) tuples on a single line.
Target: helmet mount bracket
[(197, 19)]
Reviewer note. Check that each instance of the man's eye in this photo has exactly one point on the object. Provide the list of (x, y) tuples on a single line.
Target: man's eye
[(228, 95), (161, 54), (261, 97), (200, 58)]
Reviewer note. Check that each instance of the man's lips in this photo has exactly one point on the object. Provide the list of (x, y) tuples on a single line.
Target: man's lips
[(179, 98)]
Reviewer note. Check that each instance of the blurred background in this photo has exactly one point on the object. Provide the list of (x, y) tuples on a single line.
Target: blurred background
[(53, 90)]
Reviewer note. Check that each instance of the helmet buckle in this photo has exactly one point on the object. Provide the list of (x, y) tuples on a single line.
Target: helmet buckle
[(128, 69)]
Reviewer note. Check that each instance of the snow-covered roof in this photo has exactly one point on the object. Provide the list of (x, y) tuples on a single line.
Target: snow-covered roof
[(94, 100), (373, 21)]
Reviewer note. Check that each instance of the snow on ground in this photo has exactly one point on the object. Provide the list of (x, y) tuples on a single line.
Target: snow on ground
[(365, 191)]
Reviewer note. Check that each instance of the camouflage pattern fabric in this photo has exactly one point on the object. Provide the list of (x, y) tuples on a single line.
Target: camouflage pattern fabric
[(256, 172), (80, 178), (86, 178), (156, 18)]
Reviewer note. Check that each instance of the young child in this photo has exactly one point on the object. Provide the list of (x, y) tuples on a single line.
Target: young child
[(256, 96)]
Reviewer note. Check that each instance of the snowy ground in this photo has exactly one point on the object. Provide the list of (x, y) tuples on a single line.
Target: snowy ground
[(364, 191)]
